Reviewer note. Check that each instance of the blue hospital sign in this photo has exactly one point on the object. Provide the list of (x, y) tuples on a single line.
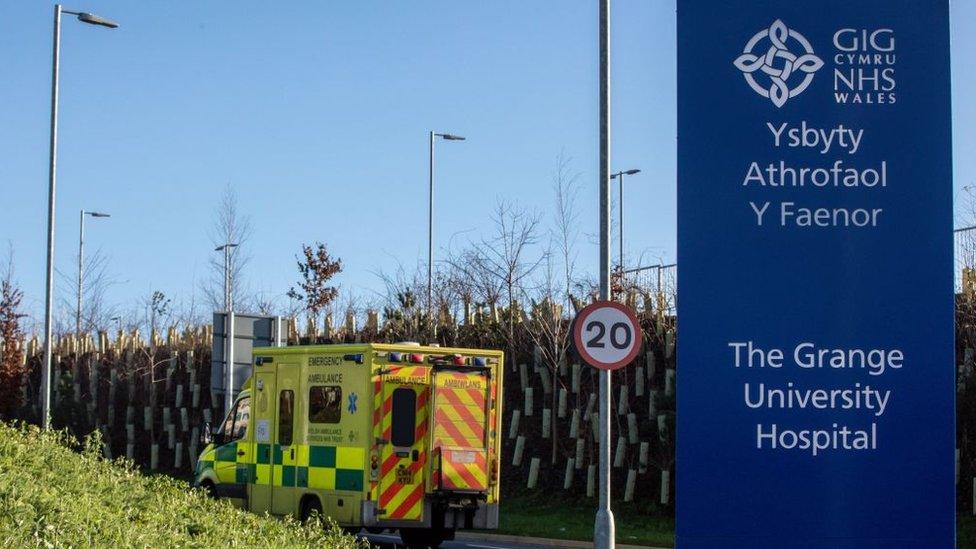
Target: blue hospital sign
[(816, 361)]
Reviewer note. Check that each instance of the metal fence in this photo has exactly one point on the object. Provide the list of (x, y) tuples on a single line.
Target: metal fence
[(653, 279), (660, 281), (965, 255)]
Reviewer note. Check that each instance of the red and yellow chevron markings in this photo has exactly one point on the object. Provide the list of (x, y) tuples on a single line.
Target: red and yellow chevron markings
[(460, 413), (402, 492)]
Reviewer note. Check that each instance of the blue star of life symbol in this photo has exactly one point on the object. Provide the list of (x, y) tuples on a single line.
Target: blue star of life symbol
[(778, 63), (353, 397)]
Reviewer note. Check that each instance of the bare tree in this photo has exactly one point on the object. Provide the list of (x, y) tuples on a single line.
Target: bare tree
[(96, 312), (266, 303), (188, 313), (230, 226), (500, 260), (404, 300), (548, 329), (565, 183)]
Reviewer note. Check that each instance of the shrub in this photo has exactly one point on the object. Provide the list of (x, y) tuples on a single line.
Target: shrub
[(57, 492)]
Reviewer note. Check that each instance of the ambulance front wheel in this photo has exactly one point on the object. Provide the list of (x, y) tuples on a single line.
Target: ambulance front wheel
[(210, 489), (310, 506)]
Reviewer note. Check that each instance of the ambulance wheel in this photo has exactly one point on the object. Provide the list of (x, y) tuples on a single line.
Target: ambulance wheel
[(210, 489), (310, 506), (422, 538)]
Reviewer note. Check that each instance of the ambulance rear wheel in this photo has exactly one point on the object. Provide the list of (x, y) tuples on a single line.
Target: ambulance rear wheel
[(423, 538), (310, 507)]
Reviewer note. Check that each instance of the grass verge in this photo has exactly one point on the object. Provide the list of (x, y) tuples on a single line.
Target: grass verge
[(52, 495), (547, 517), (541, 515)]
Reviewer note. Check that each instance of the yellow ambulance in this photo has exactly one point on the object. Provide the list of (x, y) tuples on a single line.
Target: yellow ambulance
[(381, 436)]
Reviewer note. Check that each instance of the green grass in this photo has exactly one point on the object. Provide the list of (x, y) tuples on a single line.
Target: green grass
[(965, 532), (544, 516), (52, 495)]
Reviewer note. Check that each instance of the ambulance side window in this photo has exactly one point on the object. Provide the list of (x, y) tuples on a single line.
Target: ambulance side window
[(404, 417), (235, 427), (286, 417), (325, 404)]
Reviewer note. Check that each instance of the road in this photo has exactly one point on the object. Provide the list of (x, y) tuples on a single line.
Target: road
[(392, 541)]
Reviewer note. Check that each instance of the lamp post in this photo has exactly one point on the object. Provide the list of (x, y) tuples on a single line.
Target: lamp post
[(228, 328), (81, 263), (619, 176), (52, 178), (228, 292), (430, 222), (604, 531)]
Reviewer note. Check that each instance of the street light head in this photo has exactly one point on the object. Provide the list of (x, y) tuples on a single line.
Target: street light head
[(452, 137), (98, 214), (631, 172), (93, 19), (221, 248)]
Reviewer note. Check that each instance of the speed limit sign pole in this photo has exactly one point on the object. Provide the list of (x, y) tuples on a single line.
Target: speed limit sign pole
[(607, 336), (603, 529)]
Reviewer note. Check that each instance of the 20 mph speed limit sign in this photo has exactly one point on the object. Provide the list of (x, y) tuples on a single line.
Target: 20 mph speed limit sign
[(607, 335)]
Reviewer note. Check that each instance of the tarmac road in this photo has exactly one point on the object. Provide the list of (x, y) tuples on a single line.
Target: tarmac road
[(474, 540), (392, 541)]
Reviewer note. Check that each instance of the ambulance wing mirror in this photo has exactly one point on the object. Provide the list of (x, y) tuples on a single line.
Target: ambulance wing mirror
[(206, 437)]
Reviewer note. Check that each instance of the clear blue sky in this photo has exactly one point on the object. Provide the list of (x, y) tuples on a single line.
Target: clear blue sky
[(318, 114)]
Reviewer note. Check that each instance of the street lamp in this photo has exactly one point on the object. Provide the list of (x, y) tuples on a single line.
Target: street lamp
[(228, 327), (228, 293), (52, 177), (619, 176), (430, 222), (81, 263), (118, 319)]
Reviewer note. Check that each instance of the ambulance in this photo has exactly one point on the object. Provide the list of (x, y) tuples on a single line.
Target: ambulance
[(380, 436)]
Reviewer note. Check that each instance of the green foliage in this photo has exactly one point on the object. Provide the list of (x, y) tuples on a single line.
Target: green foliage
[(12, 367), (317, 269), (57, 492)]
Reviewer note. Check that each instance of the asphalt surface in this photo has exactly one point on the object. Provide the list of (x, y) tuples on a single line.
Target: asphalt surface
[(392, 541)]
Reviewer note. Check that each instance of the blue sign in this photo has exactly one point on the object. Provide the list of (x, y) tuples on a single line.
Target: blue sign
[(815, 347)]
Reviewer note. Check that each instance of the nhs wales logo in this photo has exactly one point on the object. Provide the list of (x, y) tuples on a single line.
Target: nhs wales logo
[(778, 63)]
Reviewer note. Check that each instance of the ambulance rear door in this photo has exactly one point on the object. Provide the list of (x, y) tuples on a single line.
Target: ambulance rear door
[(461, 405)]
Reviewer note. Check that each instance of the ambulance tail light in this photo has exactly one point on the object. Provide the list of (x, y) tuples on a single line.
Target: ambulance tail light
[(374, 466), (416, 358), (493, 475)]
